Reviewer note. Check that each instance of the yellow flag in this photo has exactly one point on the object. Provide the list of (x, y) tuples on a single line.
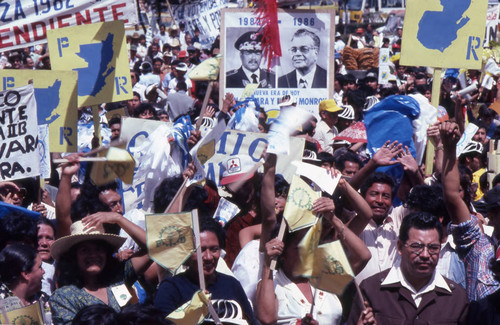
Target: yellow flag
[(119, 164), (170, 239), (445, 34), (298, 209), (249, 90), (207, 70), (56, 98), (192, 312), (31, 314), (307, 248), (98, 52), (332, 271)]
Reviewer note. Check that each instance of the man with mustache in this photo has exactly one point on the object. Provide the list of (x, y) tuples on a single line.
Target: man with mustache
[(250, 48), (304, 53), (412, 291)]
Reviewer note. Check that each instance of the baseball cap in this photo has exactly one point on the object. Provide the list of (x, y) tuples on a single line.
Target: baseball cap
[(329, 105), (371, 75), (182, 54), (473, 147)]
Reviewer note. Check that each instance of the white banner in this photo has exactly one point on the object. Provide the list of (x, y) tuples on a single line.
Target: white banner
[(491, 24), (19, 157), (25, 23), (204, 15), (44, 150)]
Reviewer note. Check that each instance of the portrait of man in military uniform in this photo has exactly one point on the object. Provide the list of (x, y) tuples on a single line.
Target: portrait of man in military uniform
[(250, 49)]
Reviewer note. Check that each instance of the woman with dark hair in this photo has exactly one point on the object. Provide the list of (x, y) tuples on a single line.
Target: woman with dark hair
[(46, 235), (226, 292), (97, 314), (21, 276), (87, 271)]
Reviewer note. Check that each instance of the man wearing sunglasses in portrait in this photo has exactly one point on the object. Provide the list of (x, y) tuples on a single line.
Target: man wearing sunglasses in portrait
[(304, 54), (413, 291), (250, 48)]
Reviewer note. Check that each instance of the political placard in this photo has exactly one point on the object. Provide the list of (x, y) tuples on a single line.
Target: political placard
[(204, 15), (25, 23), (31, 314), (299, 203), (56, 99), (18, 133), (444, 34), (98, 52), (303, 71)]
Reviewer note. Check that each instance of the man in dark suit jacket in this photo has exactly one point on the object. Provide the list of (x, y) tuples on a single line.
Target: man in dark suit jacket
[(414, 292), (304, 53), (249, 45)]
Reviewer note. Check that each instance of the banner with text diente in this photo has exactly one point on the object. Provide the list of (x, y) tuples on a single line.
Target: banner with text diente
[(25, 23)]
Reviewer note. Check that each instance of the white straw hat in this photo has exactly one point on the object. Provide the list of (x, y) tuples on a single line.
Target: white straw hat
[(79, 234)]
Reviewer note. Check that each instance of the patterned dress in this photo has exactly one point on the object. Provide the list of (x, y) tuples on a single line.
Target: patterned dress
[(67, 301)]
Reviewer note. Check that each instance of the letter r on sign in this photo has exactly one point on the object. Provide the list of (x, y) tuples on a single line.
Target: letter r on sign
[(471, 48), (120, 82), (65, 134), (62, 42)]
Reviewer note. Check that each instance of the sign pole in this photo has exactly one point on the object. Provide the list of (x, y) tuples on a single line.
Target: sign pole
[(97, 124), (201, 276), (436, 92)]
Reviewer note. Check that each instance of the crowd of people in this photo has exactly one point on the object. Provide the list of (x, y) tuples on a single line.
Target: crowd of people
[(422, 248)]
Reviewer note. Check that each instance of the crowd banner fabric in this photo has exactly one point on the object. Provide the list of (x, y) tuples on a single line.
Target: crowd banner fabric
[(303, 71), (19, 156), (25, 23), (444, 34), (98, 52), (204, 15), (56, 100)]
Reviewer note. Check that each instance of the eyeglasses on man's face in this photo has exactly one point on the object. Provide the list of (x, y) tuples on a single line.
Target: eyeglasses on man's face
[(418, 248), (301, 49)]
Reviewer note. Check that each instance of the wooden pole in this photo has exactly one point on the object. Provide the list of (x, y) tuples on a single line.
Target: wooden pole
[(436, 93), (97, 123), (171, 13), (199, 260), (281, 234), (204, 106)]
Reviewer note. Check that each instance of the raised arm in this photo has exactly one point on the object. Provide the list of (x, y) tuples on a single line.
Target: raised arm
[(363, 211), (383, 157), (266, 306), (267, 195), (450, 178), (63, 198)]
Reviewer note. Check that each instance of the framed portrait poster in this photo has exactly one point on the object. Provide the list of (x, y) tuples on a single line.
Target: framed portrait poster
[(305, 70)]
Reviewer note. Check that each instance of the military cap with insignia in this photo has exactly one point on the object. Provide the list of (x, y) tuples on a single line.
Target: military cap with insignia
[(250, 41)]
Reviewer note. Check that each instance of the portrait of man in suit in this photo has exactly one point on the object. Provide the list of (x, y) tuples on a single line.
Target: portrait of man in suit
[(304, 49), (250, 49)]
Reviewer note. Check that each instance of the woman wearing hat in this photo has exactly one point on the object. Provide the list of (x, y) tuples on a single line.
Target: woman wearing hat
[(87, 271)]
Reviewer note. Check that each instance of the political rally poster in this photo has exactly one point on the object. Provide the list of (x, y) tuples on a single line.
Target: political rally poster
[(444, 34), (98, 52), (204, 15), (56, 99), (234, 143), (18, 133), (304, 70), (25, 23), (491, 24)]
